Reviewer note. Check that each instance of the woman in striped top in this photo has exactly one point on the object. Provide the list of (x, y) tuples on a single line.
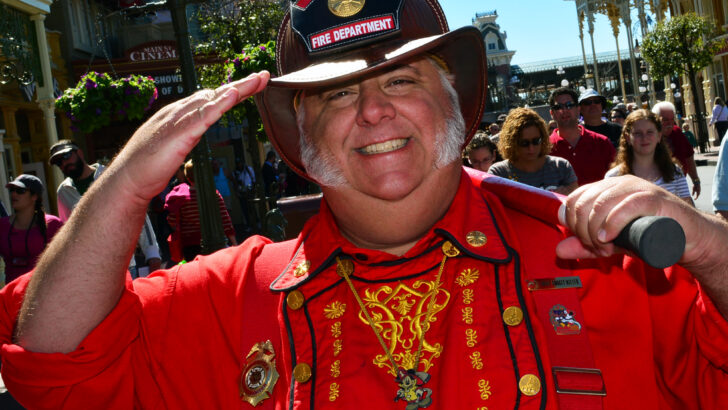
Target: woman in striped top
[(643, 153)]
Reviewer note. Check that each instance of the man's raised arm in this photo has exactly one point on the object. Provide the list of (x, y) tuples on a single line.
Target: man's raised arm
[(80, 277)]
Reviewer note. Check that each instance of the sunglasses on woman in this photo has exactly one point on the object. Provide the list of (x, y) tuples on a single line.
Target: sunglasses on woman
[(18, 190), (525, 143)]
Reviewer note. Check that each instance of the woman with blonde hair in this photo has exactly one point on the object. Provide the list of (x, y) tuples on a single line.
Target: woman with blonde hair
[(524, 143), (643, 153)]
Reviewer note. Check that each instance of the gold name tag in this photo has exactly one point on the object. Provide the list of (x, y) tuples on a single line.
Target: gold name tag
[(564, 282)]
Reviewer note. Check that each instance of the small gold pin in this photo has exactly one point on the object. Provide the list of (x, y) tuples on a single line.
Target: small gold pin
[(344, 267), (450, 250), (345, 8), (529, 385), (302, 269), (259, 375), (476, 239)]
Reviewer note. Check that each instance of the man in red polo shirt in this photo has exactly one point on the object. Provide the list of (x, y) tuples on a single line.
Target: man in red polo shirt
[(588, 152)]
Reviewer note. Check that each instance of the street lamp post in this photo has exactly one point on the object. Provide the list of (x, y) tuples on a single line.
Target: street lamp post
[(212, 234), (560, 71)]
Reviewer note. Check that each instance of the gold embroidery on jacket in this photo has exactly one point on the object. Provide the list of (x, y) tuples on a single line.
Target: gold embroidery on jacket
[(476, 361), (336, 369), (336, 329), (400, 315), (468, 296), (471, 337), (467, 277), (468, 315), (334, 391), (484, 386), (335, 310)]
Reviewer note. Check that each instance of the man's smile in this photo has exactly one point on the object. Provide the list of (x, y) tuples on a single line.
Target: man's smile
[(383, 147)]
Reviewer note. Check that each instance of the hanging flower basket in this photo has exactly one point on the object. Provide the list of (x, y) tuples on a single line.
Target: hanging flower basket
[(97, 100), (252, 60)]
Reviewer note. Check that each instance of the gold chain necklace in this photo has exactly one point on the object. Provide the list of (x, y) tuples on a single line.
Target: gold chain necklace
[(410, 381)]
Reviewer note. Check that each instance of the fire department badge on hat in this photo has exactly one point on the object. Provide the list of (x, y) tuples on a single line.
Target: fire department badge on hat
[(259, 374), (563, 321), (345, 8), (337, 24)]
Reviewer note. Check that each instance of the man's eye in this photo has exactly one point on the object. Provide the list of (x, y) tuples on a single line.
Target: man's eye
[(337, 94), (399, 81)]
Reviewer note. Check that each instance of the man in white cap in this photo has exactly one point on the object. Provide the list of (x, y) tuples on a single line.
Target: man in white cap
[(591, 106), (413, 287), (67, 156)]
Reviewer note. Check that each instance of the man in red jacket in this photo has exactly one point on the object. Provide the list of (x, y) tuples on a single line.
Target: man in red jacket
[(413, 287)]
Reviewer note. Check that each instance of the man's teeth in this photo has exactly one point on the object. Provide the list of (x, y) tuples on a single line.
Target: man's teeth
[(383, 147)]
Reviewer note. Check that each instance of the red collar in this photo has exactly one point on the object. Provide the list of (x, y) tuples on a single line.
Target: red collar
[(320, 242)]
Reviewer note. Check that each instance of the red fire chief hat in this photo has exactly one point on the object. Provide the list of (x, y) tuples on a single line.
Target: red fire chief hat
[(325, 42)]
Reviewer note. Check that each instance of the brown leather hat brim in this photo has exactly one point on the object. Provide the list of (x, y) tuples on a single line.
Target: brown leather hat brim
[(462, 50)]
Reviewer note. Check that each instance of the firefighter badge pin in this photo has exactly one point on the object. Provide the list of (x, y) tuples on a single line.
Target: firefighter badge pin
[(259, 374)]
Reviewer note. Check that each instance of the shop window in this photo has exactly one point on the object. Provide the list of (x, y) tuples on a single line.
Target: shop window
[(82, 24), (719, 80), (23, 126)]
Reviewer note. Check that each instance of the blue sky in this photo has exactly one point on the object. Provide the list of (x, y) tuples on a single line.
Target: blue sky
[(538, 29)]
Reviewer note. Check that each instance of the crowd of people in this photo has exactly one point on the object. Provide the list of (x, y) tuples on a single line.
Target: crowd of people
[(580, 145), (418, 284), (171, 232)]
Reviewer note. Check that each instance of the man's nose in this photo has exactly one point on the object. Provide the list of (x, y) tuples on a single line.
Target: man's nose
[(374, 106)]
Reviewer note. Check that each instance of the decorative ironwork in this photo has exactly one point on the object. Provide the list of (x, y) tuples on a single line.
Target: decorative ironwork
[(19, 59)]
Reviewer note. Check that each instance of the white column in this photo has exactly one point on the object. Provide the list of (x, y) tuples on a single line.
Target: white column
[(46, 100), (4, 196), (590, 20)]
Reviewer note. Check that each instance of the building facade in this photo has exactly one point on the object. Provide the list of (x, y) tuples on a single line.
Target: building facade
[(501, 88), (33, 72)]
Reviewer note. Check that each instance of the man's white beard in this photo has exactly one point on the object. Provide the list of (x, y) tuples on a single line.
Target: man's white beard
[(322, 166)]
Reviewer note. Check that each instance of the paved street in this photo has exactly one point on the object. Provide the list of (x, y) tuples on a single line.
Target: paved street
[(704, 202), (705, 173)]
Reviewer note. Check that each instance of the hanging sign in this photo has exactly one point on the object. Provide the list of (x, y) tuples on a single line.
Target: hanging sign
[(153, 51)]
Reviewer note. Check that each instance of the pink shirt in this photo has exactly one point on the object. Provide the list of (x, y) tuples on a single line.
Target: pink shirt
[(20, 247)]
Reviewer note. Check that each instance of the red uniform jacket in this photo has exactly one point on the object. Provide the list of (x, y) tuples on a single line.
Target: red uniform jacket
[(180, 338)]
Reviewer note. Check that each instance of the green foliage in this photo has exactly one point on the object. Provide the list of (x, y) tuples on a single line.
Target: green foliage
[(682, 43), (242, 30), (252, 60), (231, 26), (97, 100)]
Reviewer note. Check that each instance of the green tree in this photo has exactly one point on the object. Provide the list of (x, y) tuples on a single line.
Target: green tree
[(683, 45), (229, 26), (239, 38)]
